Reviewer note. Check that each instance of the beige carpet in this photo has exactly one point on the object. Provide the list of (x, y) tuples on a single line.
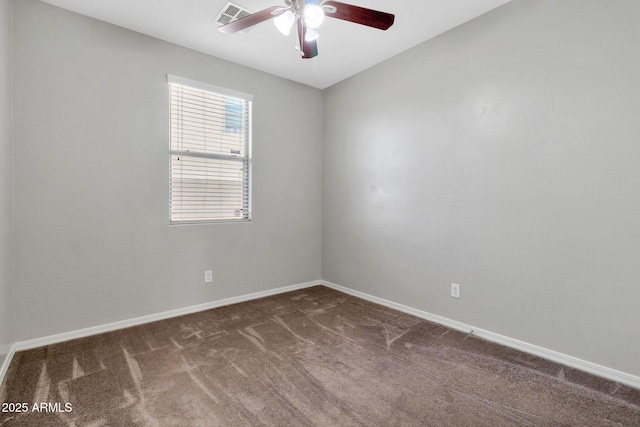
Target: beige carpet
[(314, 357)]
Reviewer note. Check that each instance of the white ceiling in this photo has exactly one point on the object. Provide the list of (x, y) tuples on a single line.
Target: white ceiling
[(344, 48)]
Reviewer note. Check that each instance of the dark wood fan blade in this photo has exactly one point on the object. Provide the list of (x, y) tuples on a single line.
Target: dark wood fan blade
[(360, 15), (309, 49), (251, 20)]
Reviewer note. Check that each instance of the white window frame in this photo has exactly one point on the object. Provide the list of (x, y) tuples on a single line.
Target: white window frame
[(246, 159)]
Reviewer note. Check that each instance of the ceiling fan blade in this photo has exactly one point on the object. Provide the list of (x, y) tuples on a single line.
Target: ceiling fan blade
[(309, 49), (359, 15), (251, 20)]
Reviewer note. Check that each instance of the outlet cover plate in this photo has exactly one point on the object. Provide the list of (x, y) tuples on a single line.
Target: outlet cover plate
[(455, 290)]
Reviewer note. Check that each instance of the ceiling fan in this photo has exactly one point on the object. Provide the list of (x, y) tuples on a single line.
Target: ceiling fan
[(308, 15)]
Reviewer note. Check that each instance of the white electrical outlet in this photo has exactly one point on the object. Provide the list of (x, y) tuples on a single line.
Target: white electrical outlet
[(455, 290), (208, 276)]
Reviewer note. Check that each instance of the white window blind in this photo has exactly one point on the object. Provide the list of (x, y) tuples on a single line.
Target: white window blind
[(210, 153)]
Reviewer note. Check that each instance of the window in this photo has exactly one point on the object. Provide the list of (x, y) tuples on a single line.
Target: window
[(233, 115), (210, 153)]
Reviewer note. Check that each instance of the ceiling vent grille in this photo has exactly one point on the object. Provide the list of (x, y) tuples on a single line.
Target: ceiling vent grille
[(232, 12)]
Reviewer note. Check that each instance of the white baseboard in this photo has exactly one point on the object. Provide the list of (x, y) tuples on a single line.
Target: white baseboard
[(570, 361), (81, 333), (7, 360), (564, 359)]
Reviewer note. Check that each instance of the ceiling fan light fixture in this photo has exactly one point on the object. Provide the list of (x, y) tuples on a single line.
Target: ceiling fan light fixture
[(311, 35), (308, 15), (313, 15), (284, 22)]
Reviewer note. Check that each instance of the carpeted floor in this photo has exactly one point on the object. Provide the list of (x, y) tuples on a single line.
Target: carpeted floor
[(314, 357)]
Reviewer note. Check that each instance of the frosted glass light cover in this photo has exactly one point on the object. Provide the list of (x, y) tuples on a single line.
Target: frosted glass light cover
[(311, 35), (313, 15), (284, 22)]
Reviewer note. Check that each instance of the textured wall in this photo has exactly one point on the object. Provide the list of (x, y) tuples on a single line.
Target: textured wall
[(91, 120), (6, 290), (502, 155)]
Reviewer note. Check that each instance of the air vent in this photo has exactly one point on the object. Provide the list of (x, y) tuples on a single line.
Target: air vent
[(232, 12)]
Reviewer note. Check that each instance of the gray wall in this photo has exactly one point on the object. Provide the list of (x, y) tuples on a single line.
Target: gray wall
[(91, 129), (504, 156), (6, 289)]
